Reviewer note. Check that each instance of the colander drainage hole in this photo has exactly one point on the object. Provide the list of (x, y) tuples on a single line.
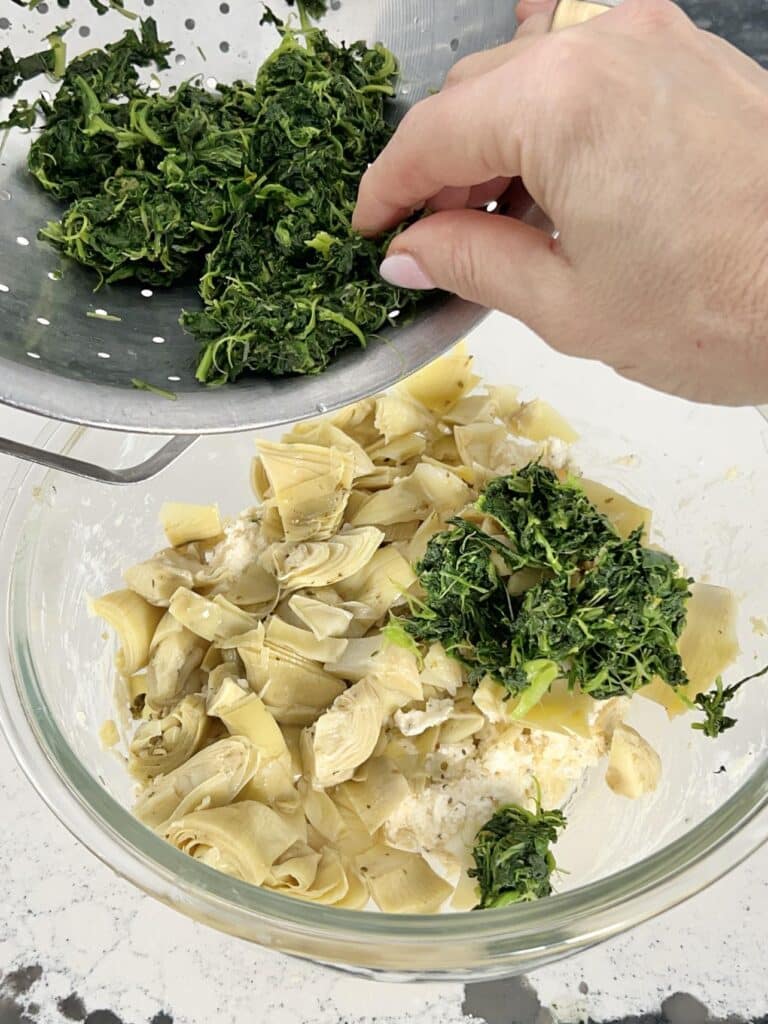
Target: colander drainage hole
[(43, 321), (103, 355), (147, 293), (21, 240), (33, 355), (173, 379), (158, 340), (4, 23), (189, 23), (4, 288)]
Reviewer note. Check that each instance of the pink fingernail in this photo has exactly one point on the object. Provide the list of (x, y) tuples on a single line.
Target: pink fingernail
[(403, 271)]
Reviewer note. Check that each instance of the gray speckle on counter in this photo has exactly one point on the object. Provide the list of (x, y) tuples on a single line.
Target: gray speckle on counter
[(742, 22)]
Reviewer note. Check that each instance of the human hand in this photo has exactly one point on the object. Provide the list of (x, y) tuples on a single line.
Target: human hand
[(645, 141)]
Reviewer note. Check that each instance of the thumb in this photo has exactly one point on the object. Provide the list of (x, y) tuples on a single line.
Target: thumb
[(496, 261)]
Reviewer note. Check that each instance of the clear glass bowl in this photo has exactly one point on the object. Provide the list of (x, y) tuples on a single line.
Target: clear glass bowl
[(705, 473)]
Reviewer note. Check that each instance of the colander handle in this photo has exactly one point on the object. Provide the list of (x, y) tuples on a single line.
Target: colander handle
[(157, 462)]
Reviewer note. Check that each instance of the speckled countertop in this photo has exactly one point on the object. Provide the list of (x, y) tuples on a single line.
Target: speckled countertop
[(79, 944)]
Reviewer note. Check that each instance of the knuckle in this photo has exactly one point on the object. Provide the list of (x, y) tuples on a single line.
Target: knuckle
[(463, 267), (653, 15), (462, 69)]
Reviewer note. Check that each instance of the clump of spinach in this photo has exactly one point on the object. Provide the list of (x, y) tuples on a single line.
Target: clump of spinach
[(14, 71), (714, 702), (606, 613), (249, 187), (513, 860)]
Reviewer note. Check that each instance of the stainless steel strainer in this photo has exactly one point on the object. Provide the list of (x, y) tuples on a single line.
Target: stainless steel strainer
[(68, 353)]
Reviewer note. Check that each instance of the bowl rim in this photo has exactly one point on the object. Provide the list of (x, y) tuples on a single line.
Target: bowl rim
[(456, 946)]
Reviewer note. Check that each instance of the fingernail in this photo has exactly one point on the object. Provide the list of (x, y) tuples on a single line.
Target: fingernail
[(403, 271)]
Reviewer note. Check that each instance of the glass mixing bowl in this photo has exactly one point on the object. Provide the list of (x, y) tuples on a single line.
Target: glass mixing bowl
[(705, 473)]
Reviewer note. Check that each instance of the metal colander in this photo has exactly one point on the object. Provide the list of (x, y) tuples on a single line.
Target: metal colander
[(58, 360), (69, 353)]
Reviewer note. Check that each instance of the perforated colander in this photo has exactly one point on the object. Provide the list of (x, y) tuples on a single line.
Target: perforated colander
[(69, 353)]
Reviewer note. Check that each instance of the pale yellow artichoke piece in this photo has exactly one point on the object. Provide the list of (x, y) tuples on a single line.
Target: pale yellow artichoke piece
[(538, 421), (310, 485), (472, 409), (303, 642), (245, 714), (427, 489), (399, 415), (479, 443), (395, 678), (403, 502), (625, 515), (381, 584), (213, 620), (381, 478), (402, 883), (418, 546), (375, 799), (440, 385), (345, 735), (297, 690), (417, 720), (324, 620), (134, 620), (634, 767), (505, 401), (272, 784), (183, 523), (561, 710), (259, 479), (399, 451), (465, 721), (196, 613), (321, 812), (358, 658), (253, 586), (176, 654), (708, 646), (162, 745), (292, 737), (211, 778), (296, 870), (159, 578), (465, 473), (441, 671), (323, 563), (244, 840), (328, 435)]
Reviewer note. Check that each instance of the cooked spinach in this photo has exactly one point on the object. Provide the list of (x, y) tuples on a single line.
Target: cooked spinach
[(714, 702), (606, 611), (249, 187), (513, 860), (14, 71)]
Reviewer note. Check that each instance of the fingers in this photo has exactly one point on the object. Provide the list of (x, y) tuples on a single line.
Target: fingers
[(495, 261), (459, 138), (473, 197), (528, 9)]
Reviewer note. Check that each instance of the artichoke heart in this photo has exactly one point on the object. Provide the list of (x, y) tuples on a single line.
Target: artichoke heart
[(176, 653), (427, 489), (309, 486), (135, 621), (161, 745), (157, 579), (346, 735), (243, 840), (322, 563), (211, 778)]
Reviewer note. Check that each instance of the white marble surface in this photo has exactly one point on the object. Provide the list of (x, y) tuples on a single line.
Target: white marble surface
[(94, 935)]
